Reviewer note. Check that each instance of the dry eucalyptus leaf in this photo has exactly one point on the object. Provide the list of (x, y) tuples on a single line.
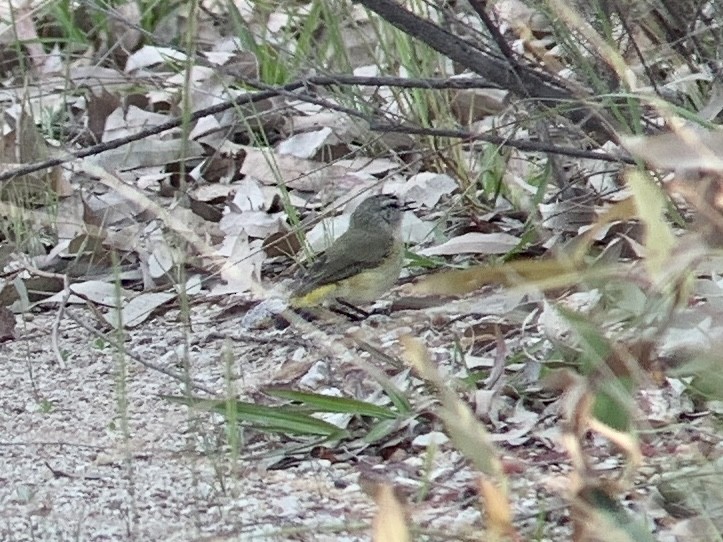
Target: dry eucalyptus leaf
[(206, 211), (212, 192), (237, 64), (307, 144), (433, 438), (475, 243), (415, 230), (97, 291), (151, 55), (21, 292), (100, 106), (208, 130), (110, 208), (242, 272), (31, 144), (685, 149), (271, 167), (219, 168), (125, 26), (345, 128), (471, 105), (369, 166), (147, 154), (427, 188), (126, 122), (249, 196), (259, 224), (138, 309), (161, 260)]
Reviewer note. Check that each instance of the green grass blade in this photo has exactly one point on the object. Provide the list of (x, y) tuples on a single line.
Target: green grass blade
[(266, 418), (329, 403)]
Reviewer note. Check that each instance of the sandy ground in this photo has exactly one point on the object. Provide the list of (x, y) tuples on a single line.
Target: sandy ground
[(71, 472)]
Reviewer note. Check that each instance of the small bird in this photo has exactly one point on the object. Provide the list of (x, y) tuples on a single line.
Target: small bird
[(363, 263)]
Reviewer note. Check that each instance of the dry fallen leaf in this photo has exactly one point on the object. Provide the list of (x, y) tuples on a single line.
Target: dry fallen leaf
[(151, 55), (686, 149), (475, 243), (307, 144), (427, 188), (138, 309)]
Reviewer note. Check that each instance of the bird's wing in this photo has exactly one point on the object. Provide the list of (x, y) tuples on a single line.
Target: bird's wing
[(338, 264)]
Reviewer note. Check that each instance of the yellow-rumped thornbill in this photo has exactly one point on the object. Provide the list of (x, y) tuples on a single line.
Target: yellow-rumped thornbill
[(362, 264)]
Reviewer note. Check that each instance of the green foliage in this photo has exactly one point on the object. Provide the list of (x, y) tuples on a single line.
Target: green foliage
[(298, 417)]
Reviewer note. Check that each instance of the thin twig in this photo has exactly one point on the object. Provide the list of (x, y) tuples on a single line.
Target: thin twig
[(56, 323), (175, 122), (497, 140)]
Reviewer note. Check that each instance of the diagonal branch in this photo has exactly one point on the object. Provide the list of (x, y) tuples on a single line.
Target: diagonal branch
[(523, 82)]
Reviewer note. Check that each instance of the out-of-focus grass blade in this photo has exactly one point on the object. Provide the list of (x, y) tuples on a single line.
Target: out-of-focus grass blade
[(396, 396), (390, 521), (659, 239), (598, 513), (328, 403), (467, 433), (552, 273), (380, 430), (266, 418)]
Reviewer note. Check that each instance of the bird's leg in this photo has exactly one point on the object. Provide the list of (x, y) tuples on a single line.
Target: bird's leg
[(385, 310), (353, 312)]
